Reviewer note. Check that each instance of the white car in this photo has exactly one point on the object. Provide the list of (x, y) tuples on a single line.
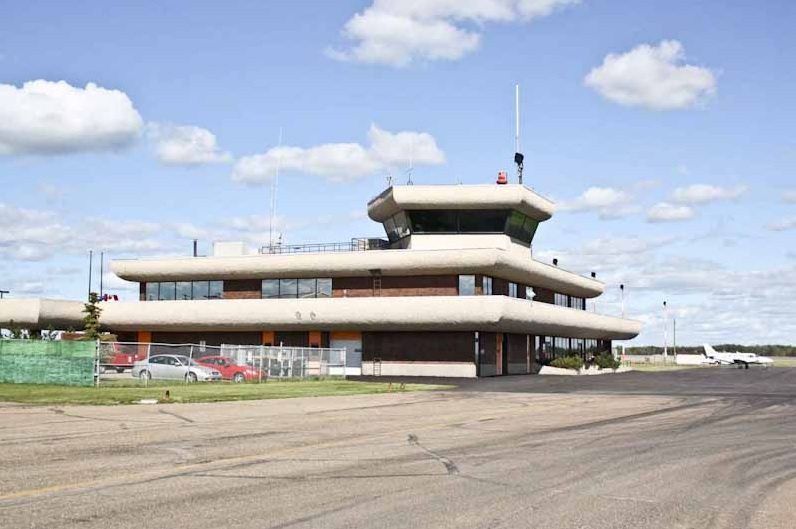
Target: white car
[(173, 367)]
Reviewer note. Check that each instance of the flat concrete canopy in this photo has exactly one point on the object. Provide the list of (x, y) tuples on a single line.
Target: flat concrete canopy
[(460, 197)]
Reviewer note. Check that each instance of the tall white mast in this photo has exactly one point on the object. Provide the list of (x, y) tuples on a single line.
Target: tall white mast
[(518, 156), (517, 118), (274, 188)]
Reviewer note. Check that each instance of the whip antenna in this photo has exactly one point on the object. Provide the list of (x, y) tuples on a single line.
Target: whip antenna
[(518, 156)]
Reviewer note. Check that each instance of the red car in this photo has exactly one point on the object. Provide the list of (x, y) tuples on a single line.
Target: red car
[(120, 356), (230, 370)]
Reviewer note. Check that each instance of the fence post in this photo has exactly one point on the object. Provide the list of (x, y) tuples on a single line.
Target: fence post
[(260, 371), (148, 353), (190, 360), (97, 362)]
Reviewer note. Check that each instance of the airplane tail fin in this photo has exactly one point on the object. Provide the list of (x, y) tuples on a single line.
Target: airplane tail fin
[(708, 350)]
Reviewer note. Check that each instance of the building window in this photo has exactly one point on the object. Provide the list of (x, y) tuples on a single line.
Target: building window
[(292, 288), (270, 288), (434, 221), (288, 288), (324, 289), (562, 300), (151, 291), (577, 303), (467, 285), (512, 290), (216, 290), (482, 221), (306, 288), (200, 290), (486, 285), (166, 291), (184, 290)]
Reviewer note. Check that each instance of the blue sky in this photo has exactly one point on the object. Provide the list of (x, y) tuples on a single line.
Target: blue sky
[(664, 130)]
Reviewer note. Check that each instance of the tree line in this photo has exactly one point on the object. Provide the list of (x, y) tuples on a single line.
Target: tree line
[(763, 350)]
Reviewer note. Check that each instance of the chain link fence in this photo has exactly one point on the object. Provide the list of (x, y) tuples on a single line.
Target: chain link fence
[(200, 363), (68, 363)]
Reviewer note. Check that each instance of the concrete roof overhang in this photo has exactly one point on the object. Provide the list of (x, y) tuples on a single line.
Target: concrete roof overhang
[(514, 197), (488, 261), (421, 313)]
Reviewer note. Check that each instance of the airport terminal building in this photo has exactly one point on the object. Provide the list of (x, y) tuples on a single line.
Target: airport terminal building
[(453, 290)]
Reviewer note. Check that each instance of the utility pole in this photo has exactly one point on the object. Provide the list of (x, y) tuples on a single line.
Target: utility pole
[(90, 263), (665, 338), (102, 271)]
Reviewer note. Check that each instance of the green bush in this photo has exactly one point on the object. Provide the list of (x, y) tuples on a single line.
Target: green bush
[(606, 360), (568, 362)]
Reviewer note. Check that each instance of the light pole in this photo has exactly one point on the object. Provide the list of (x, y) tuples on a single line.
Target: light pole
[(622, 298), (674, 337), (665, 339)]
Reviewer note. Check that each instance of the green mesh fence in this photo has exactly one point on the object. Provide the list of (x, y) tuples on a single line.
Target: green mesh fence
[(47, 362)]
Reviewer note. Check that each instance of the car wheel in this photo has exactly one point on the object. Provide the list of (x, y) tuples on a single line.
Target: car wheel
[(145, 375), (238, 378), (191, 377), (120, 370)]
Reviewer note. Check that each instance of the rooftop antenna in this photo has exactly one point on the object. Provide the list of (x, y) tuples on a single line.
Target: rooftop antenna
[(518, 156), (274, 187), (411, 163)]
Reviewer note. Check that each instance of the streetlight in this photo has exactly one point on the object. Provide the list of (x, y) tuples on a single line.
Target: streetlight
[(622, 297), (665, 342)]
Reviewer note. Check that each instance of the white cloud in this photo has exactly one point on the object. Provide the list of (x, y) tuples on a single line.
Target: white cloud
[(609, 202), (44, 117), (704, 193), (397, 33), (789, 196), (34, 235), (665, 212), (186, 145), (652, 77), (342, 161), (787, 223)]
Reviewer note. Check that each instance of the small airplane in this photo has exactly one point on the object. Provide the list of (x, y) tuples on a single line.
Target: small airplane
[(742, 360)]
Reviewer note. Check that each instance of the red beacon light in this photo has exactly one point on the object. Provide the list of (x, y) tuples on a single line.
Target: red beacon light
[(502, 178)]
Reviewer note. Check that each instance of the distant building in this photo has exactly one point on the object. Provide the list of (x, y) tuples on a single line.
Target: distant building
[(453, 291)]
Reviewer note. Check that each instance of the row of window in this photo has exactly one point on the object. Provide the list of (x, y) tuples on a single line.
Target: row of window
[(171, 290), (563, 300), (549, 347), (297, 288), (467, 288), (512, 223)]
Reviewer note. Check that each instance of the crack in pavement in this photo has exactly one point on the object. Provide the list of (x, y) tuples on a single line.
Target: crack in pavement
[(450, 466)]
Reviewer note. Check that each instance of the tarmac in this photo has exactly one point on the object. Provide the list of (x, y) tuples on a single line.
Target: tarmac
[(700, 448)]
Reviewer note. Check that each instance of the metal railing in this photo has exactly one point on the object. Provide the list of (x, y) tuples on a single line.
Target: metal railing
[(357, 244)]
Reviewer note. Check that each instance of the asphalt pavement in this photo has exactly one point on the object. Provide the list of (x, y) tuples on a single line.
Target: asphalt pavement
[(703, 448)]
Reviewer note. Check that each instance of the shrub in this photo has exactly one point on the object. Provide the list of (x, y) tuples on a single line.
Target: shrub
[(568, 362), (606, 360)]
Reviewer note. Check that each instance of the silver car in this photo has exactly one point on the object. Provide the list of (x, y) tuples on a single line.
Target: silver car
[(173, 367)]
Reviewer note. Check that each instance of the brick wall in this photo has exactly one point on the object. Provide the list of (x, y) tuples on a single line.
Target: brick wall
[(242, 289), (353, 287)]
